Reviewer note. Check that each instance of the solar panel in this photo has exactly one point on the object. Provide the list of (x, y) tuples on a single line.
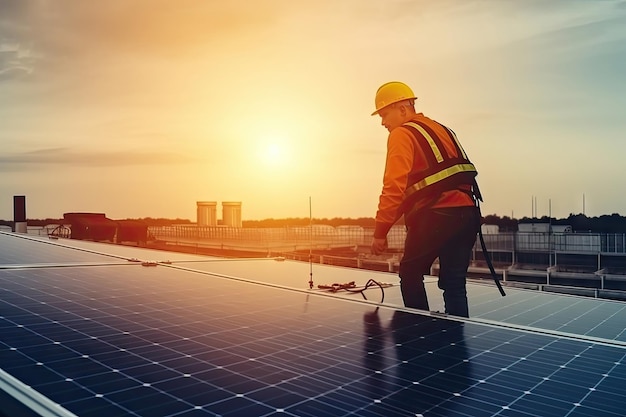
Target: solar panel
[(564, 313), (125, 251), (23, 250), (168, 341), (38, 250), (531, 308)]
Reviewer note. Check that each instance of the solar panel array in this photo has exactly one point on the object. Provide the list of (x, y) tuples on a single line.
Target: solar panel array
[(554, 312), (117, 338)]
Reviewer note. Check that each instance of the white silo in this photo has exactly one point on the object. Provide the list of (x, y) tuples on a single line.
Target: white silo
[(231, 213), (206, 213)]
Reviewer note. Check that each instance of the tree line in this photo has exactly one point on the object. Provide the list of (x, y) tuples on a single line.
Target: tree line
[(613, 223)]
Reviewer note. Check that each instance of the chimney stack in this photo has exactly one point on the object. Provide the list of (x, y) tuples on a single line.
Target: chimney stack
[(19, 214)]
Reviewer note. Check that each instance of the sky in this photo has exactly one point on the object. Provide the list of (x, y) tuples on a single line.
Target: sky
[(142, 108)]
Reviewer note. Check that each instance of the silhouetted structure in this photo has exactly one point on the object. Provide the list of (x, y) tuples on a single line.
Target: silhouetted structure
[(132, 231), (97, 227), (19, 214), (91, 226)]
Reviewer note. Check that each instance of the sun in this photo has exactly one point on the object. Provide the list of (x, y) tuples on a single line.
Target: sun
[(274, 152)]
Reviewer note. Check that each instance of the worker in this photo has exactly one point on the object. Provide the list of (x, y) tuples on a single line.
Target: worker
[(430, 181)]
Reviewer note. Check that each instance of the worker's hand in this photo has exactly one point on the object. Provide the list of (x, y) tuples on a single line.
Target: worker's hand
[(379, 246)]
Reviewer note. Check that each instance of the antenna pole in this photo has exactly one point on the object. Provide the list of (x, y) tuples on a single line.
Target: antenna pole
[(310, 245)]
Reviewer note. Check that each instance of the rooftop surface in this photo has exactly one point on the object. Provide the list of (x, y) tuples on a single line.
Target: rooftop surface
[(93, 329)]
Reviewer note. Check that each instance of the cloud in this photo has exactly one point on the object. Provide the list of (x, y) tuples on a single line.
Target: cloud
[(140, 53), (64, 156), (73, 29), (15, 62), (580, 33), (13, 73), (13, 10)]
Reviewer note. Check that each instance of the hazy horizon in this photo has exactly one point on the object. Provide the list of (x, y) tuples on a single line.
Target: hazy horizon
[(244, 219)]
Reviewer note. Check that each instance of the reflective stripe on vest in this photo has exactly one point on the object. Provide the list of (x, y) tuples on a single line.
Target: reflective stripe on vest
[(439, 176), (429, 139)]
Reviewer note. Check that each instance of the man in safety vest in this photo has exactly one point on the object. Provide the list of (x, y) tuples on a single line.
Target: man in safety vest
[(429, 179)]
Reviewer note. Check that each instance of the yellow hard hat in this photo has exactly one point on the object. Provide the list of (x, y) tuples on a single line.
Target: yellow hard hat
[(392, 92)]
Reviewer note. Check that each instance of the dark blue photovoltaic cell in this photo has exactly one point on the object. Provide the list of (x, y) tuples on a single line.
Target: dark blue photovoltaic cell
[(159, 341)]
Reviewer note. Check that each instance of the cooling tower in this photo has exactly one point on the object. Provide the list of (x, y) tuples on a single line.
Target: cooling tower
[(207, 213), (231, 213)]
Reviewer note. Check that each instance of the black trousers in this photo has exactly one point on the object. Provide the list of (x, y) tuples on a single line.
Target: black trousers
[(448, 234)]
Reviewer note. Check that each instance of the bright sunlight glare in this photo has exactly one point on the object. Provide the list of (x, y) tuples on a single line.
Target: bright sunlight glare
[(274, 152)]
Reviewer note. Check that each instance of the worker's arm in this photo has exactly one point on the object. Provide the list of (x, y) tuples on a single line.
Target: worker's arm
[(398, 165)]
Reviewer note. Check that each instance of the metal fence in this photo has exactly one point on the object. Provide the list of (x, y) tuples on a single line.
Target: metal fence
[(322, 236), (329, 237), (289, 238), (609, 243)]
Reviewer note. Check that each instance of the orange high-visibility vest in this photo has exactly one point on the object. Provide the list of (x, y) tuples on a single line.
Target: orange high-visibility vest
[(445, 172)]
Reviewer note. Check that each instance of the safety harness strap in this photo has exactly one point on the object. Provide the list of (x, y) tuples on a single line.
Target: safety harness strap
[(439, 176)]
